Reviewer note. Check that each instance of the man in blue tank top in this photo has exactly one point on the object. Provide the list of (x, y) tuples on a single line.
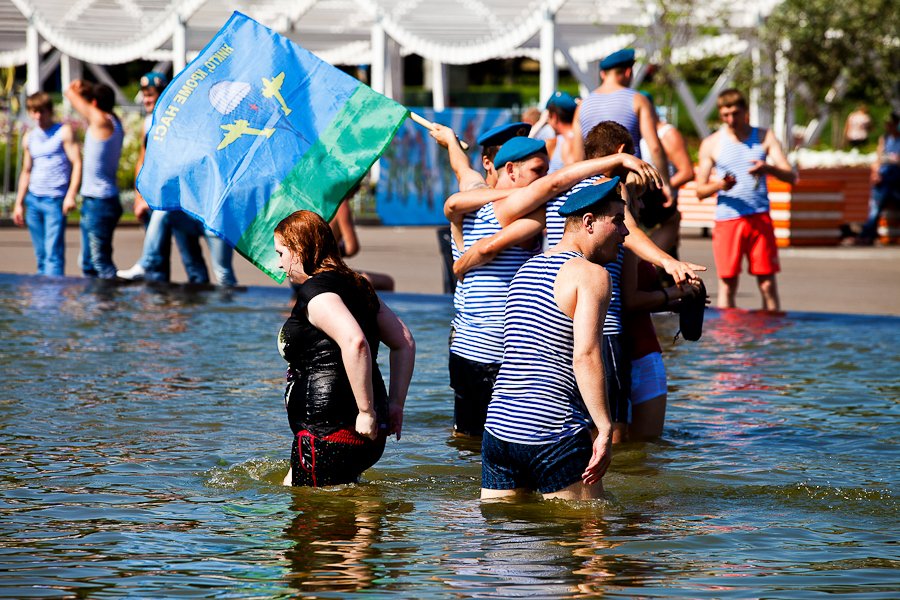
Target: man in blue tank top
[(550, 389), (100, 206), (615, 100), (48, 184), (739, 154)]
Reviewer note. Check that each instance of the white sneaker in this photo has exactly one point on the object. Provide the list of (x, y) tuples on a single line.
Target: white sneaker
[(135, 273)]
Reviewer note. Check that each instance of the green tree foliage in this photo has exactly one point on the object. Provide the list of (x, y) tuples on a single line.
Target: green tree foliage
[(860, 38)]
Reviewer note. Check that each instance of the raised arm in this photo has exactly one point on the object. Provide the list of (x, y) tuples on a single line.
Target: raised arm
[(462, 203), (486, 249), (467, 177), (399, 340), (526, 200), (95, 117), (328, 313), (344, 230)]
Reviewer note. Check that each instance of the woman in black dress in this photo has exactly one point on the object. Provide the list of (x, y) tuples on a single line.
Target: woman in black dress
[(337, 404)]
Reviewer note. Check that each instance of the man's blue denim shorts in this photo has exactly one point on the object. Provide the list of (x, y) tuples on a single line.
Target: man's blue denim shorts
[(546, 468)]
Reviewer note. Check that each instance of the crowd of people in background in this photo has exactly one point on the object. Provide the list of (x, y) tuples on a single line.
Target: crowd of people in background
[(564, 245)]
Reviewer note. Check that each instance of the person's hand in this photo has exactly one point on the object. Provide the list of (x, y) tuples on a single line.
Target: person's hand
[(727, 182), (758, 168), (647, 173), (876, 177), (77, 87), (443, 135), (19, 215), (367, 425), (396, 419), (68, 204), (681, 271), (601, 456), (668, 195), (141, 208)]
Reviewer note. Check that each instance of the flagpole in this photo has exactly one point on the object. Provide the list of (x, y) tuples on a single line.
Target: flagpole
[(429, 125)]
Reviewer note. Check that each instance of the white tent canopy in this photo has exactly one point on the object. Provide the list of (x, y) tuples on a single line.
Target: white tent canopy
[(572, 33)]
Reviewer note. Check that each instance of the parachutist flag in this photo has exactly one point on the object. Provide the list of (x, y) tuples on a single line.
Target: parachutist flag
[(256, 128)]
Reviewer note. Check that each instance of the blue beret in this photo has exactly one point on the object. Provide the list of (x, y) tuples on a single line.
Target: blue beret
[(620, 58), (154, 79), (502, 134), (563, 100), (589, 196), (516, 149)]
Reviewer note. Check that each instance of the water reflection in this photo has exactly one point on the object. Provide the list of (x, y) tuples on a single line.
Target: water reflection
[(337, 540)]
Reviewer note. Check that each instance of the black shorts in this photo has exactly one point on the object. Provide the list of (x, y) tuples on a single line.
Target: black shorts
[(333, 459), (618, 378), (654, 213), (473, 384)]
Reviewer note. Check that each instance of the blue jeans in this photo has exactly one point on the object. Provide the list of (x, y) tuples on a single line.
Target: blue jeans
[(156, 254), (99, 217), (221, 254), (885, 192), (47, 226)]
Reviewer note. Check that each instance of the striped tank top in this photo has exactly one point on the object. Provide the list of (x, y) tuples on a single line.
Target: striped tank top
[(50, 167), (615, 106), (101, 163), (478, 324), (536, 398), (555, 226), (750, 196)]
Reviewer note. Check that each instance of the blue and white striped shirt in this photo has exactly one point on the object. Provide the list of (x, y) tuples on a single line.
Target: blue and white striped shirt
[(51, 169), (478, 325), (615, 106), (101, 162), (750, 196), (536, 398), (555, 225)]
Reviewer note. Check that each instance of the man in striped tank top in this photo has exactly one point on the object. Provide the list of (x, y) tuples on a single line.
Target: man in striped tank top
[(48, 184), (738, 152), (550, 392), (614, 100)]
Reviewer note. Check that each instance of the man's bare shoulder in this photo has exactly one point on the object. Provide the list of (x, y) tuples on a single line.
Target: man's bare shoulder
[(581, 273)]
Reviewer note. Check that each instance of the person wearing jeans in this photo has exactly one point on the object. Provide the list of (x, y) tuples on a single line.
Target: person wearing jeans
[(51, 174), (101, 209)]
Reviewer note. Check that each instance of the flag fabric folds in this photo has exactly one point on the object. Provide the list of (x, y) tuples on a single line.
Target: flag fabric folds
[(256, 128)]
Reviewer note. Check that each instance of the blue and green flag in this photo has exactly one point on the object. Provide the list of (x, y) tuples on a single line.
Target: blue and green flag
[(256, 128)]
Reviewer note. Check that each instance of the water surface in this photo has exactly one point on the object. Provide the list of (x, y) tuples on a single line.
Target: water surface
[(143, 438)]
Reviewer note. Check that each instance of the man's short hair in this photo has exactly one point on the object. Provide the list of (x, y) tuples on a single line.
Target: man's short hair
[(39, 101), (564, 115), (103, 94), (605, 138), (731, 97)]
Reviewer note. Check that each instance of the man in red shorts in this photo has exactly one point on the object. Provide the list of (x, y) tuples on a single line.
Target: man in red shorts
[(738, 152)]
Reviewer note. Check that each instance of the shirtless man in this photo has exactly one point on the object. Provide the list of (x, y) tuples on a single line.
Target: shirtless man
[(549, 392)]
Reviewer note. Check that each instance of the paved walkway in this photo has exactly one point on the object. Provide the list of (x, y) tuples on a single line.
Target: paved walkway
[(840, 279)]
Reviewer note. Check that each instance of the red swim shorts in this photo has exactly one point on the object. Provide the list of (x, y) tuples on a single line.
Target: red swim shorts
[(753, 236)]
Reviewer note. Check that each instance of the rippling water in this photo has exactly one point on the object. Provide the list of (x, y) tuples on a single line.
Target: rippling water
[(143, 439)]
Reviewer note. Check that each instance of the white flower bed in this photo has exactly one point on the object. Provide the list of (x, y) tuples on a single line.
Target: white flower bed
[(825, 159)]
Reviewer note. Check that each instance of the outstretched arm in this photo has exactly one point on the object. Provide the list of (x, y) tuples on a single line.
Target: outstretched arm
[(641, 244), (526, 200), (467, 177), (486, 249)]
